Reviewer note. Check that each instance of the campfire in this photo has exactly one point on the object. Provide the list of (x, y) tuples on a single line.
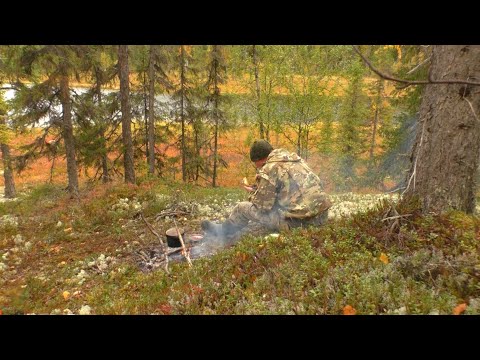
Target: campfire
[(196, 245), (178, 244)]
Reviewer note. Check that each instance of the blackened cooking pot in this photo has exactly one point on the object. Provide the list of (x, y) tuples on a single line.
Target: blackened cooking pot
[(172, 237)]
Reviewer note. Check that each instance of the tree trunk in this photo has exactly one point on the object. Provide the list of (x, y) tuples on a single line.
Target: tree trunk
[(68, 133), (197, 150), (105, 176), (267, 121), (126, 122), (215, 114), (146, 110), (350, 126), (378, 104), (306, 152), (182, 115), (98, 91), (151, 112), (446, 153), (257, 89), (349, 139), (299, 140), (10, 192)]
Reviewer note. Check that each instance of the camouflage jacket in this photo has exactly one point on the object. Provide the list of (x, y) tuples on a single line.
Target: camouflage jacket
[(286, 183)]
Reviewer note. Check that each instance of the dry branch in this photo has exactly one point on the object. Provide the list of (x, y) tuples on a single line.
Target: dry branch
[(171, 213), (396, 217), (164, 246), (184, 252), (410, 82)]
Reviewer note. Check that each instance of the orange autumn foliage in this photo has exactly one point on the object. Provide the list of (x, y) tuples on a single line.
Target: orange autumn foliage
[(166, 309), (349, 310), (459, 309)]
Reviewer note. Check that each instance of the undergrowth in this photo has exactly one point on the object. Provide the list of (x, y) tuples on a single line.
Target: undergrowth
[(374, 262)]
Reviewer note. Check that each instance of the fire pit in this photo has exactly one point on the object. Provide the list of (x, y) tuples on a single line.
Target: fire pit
[(198, 245)]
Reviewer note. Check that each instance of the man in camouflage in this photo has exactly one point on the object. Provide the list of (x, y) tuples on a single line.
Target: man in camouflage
[(287, 194)]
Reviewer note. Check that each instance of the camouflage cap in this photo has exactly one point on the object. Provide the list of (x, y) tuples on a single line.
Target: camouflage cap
[(260, 150)]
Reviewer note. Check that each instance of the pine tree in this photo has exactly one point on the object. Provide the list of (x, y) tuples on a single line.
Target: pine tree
[(95, 110), (10, 191), (216, 76), (186, 111), (49, 68), (124, 74), (445, 156)]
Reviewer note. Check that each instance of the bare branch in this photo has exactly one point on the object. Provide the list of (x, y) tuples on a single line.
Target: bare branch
[(416, 67), (414, 172), (164, 246), (184, 250), (396, 217), (473, 110), (410, 82)]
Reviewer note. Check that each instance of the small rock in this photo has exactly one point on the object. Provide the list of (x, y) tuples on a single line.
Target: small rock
[(273, 236), (67, 312), (401, 311), (82, 274), (59, 224), (85, 310), (18, 239)]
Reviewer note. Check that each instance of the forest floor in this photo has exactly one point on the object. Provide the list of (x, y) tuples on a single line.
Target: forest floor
[(65, 256)]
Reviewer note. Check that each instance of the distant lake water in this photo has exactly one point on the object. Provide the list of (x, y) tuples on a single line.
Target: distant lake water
[(10, 94)]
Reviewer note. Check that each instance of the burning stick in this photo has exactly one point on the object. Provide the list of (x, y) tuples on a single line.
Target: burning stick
[(185, 253), (164, 246)]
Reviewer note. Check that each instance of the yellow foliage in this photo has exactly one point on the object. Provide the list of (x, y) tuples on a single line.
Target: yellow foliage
[(384, 258), (5, 134)]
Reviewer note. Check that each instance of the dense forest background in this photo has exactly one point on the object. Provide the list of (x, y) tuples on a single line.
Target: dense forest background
[(195, 110)]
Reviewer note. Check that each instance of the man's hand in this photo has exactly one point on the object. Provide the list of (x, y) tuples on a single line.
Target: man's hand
[(247, 186)]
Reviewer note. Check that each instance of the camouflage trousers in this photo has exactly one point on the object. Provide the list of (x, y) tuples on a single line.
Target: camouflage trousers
[(274, 220)]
